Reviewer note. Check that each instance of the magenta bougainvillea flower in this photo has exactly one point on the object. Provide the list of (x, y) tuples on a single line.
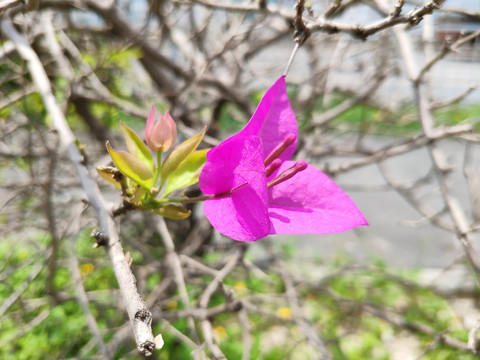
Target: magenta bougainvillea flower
[(256, 190)]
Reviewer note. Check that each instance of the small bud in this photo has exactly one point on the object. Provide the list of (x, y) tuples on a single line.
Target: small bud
[(161, 136), (174, 212)]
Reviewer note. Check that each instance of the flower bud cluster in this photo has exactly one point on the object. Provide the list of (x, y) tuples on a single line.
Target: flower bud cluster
[(146, 184)]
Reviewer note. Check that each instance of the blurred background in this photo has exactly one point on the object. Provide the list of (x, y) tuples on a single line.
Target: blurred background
[(387, 100)]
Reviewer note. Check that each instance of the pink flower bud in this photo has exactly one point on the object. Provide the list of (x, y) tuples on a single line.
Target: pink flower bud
[(161, 136)]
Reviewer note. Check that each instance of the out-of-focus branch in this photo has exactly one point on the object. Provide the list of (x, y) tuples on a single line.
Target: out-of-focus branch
[(337, 7), (139, 315), (473, 344), (434, 105), (398, 149), (37, 320), (21, 289), (459, 218), (81, 294), (11, 98), (414, 327), (246, 336), (332, 113), (176, 268), (7, 4), (446, 49), (298, 315), (472, 15), (413, 17), (205, 299)]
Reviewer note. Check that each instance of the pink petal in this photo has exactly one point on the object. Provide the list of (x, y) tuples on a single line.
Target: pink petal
[(311, 203), (241, 216), (170, 130), (236, 161), (274, 119), (150, 125)]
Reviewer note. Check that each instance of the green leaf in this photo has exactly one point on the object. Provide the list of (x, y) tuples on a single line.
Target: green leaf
[(187, 173), (132, 167), (175, 212), (137, 147), (180, 154)]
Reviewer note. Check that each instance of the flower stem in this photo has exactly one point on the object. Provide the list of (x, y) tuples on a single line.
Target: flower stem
[(159, 167), (187, 200), (290, 61)]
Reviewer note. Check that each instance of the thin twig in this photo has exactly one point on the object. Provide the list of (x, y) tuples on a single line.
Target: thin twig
[(177, 271), (298, 315)]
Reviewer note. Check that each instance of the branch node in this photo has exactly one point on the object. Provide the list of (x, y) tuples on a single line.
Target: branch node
[(123, 209), (101, 239), (359, 32), (144, 315), (147, 348), (302, 32)]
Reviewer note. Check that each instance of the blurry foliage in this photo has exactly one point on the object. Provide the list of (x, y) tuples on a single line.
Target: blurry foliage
[(457, 114), (337, 306), (404, 122), (364, 118)]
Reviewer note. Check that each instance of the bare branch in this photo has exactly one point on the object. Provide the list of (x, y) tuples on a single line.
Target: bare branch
[(139, 315)]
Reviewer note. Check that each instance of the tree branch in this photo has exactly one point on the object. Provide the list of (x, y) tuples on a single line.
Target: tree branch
[(138, 313)]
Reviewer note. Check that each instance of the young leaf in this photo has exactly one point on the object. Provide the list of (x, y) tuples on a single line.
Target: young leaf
[(108, 175), (187, 172), (174, 212), (132, 167), (180, 154), (137, 147)]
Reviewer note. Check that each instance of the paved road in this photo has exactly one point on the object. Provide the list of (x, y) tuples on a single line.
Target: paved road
[(391, 235)]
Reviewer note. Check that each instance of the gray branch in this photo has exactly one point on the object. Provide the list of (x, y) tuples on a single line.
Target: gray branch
[(138, 313)]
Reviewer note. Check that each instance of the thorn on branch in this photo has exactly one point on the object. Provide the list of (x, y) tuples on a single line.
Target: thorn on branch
[(301, 33), (101, 239)]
